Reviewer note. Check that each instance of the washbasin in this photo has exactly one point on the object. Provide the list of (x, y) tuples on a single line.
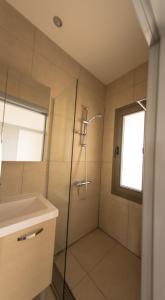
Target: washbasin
[(23, 211)]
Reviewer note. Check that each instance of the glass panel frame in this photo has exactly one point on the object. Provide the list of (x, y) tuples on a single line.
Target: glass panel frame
[(60, 194)]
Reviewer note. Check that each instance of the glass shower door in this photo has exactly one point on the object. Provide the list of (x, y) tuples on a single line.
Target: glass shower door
[(59, 177)]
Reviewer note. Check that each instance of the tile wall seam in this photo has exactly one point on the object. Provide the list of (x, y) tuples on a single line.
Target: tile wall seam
[(128, 223), (23, 169), (134, 84), (60, 49), (28, 70), (95, 94), (16, 38), (93, 76), (101, 162), (54, 64), (33, 52)]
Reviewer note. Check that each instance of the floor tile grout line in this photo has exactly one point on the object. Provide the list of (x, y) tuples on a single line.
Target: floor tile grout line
[(88, 276), (82, 267), (97, 287), (120, 243), (84, 236), (88, 272), (105, 255), (116, 244), (84, 276), (100, 260)]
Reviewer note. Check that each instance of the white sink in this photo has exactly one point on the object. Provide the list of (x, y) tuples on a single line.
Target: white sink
[(23, 211)]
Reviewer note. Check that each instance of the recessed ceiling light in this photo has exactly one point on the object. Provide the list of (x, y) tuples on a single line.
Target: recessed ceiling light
[(57, 21)]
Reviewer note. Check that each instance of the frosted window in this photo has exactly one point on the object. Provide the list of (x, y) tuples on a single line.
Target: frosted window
[(132, 151)]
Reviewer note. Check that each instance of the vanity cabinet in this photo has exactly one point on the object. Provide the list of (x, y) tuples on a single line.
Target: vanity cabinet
[(26, 260)]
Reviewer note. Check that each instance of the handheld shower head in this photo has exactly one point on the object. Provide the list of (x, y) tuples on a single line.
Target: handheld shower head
[(85, 123), (94, 117)]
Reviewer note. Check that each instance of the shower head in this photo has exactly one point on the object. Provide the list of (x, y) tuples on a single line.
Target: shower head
[(94, 117), (85, 123)]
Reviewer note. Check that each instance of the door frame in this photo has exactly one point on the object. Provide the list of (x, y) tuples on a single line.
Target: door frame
[(148, 25), (149, 177)]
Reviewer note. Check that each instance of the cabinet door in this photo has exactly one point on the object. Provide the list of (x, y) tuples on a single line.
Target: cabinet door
[(26, 260)]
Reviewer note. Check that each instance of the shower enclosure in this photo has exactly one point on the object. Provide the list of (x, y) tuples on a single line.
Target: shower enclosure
[(98, 238), (63, 185)]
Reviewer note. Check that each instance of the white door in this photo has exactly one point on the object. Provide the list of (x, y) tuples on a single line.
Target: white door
[(151, 14)]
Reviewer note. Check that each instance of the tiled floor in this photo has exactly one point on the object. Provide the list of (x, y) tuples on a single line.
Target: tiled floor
[(48, 295), (99, 268)]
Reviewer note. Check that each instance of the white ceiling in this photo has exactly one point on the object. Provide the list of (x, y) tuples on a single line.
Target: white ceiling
[(102, 35)]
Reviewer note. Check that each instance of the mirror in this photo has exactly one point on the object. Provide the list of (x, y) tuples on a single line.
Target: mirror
[(24, 108)]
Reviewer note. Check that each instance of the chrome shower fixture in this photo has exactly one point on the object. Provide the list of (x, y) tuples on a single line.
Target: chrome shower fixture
[(83, 142), (93, 118), (57, 21), (81, 183), (85, 123)]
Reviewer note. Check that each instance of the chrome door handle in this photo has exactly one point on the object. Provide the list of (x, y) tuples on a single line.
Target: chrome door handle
[(30, 235)]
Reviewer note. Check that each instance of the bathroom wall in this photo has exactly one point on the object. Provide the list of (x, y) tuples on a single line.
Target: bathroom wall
[(120, 218), (85, 204), (30, 51)]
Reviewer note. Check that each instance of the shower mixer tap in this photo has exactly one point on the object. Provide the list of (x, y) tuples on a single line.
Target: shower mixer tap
[(81, 184)]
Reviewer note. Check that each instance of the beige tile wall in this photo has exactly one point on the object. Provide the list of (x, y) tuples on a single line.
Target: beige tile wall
[(23, 177), (26, 48), (85, 204), (119, 217), (27, 89), (30, 51)]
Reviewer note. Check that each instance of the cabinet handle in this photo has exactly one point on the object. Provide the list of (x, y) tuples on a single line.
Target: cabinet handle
[(29, 235)]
